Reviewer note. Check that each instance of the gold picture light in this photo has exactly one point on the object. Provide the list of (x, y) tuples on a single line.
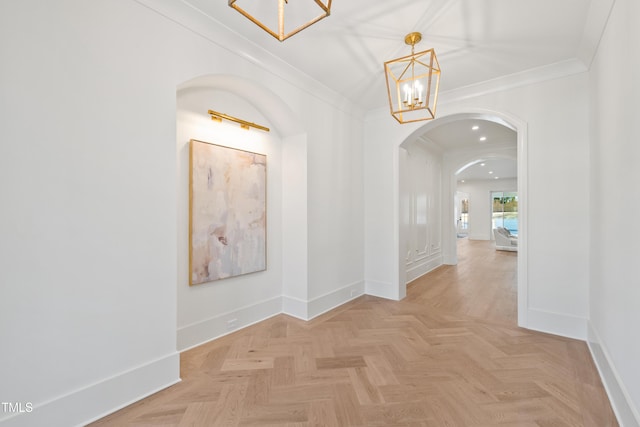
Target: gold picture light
[(218, 117)]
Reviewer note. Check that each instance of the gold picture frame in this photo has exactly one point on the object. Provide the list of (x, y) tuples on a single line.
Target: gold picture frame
[(227, 212)]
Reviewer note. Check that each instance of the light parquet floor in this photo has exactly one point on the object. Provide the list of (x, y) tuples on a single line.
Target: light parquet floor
[(450, 354)]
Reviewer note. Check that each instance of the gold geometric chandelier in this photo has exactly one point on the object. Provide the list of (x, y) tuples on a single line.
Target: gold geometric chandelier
[(412, 83), (300, 14)]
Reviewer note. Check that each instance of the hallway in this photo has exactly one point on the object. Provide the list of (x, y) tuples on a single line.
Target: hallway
[(449, 354), (483, 284)]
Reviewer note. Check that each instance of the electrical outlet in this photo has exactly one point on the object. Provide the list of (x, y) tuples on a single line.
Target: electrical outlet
[(232, 324)]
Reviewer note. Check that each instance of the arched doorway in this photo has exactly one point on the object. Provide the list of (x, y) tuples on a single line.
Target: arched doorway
[(454, 163)]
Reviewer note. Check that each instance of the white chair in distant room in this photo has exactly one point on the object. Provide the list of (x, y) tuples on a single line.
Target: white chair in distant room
[(505, 241)]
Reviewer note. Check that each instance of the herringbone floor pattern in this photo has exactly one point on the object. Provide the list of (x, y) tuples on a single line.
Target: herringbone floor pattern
[(448, 355)]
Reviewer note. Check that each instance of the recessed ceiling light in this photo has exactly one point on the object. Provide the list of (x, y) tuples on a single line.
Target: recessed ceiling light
[(490, 172), (482, 164), (483, 138), (476, 127), (497, 177), (462, 180)]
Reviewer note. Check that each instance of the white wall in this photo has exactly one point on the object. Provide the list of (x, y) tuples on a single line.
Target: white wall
[(295, 274), (480, 204), (335, 207), (88, 225), (555, 114), (93, 197), (615, 202), (420, 209)]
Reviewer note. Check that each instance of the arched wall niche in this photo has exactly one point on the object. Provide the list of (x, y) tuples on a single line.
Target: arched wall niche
[(452, 165), (283, 119), (210, 310)]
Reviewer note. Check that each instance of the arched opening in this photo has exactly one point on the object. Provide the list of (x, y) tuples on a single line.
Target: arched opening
[(481, 181), (452, 163)]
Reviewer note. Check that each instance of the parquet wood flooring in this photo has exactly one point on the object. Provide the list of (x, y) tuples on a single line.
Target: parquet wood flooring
[(449, 355)]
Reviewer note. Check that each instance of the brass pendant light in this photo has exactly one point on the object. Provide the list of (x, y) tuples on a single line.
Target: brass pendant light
[(290, 17), (412, 83)]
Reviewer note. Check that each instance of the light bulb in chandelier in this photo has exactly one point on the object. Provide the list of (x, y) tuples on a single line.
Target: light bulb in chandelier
[(413, 95)]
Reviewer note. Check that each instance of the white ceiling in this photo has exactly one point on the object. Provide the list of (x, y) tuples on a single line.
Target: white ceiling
[(489, 169), (460, 135), (475, 40)]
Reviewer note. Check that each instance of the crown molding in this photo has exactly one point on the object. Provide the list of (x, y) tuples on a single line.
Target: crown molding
[(512, 81), (595, 24), (429, 144)]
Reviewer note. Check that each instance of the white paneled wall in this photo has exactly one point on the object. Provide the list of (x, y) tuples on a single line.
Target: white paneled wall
[(420, 209)]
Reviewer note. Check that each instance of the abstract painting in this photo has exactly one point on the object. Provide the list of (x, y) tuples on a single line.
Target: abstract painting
[(227, 223)]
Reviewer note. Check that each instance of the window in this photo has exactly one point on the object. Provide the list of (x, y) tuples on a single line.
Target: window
[(505, 210)]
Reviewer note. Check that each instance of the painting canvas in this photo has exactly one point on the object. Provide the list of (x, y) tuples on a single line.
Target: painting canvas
[(227, 212)]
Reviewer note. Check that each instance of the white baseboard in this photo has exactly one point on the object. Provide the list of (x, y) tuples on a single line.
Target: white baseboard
[(479, 236), (381, 290), (80, 407), (331, 300), (557, 324), (295, 307), (307, 310), (426, 266), (215, 327), (627, 414)]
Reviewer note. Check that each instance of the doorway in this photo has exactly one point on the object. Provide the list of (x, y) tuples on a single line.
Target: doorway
[(462, 214), (455, 159)]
